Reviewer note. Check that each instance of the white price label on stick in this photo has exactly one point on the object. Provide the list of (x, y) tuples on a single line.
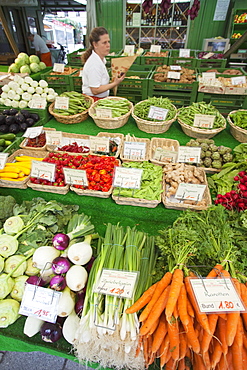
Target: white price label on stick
[(184, 53), (175, 68), (239, 80), (207, 56), (53, 137), (189, 154), (43, 170), (62, 102), (75, 177), (103, 112), (99, 144), (155, 48), (204, 120), (164, 155), (117, 283), (129, 178), (33, 132), (3, 159), (157, 113), (193, 192), (216, 295), (58, 67), (209, 76), (129, 49), (134, 150), (38, 103), (40, 302), (173, 75)]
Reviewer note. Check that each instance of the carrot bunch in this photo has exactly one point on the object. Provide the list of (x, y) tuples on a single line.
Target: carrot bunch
[(175, 331)]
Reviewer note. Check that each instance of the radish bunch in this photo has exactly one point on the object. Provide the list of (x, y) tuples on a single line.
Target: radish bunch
[(235, 199), (147, 5), (164, 6), (193, 11)]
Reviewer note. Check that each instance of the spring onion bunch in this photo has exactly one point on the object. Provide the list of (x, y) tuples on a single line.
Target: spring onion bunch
[(106, 334)]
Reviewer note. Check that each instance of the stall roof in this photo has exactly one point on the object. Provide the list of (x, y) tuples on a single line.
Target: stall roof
[(63, 5)]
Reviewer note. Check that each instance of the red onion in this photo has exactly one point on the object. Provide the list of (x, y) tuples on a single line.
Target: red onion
[(79, 306), (60, 241), (60, 265), (51, 332), (35, 280), (58, 282)]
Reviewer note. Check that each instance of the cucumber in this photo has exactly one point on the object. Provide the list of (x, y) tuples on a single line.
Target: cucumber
[(7, 142), (2, 142), (1, 148), (9, 136)]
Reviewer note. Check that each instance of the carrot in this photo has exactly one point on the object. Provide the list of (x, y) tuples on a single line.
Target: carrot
[(182, 346), (181, 364), (231, 327), (176, 284), (157, 311), (160, 287), (171, 364), (191, 336), (199, 365), (143, 300), (145, 350), (182, 306), (215, 271), (206, 360), (244, 358), (244, 299), (190, 309), (201, 317), (237, 347), (173, 333), (245, 340), (175, 312), (216, 355), (164, 350), (159, 333), (154, 327), (139, 346), (229, 359), (222, 365), (223, 315), (221, 334), (207, 337), (149, 343)]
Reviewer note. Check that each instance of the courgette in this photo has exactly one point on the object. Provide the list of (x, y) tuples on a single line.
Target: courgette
[(9, 136), (7, 142), (1, 148), (2, 142)]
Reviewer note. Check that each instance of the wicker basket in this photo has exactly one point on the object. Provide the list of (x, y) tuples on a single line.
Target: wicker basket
[(136, 139), (167, 144), (21, 184), (110, 123), (53, 148), (76, 118), (136, 202), (151, 127), (238, 133), (112, 135), (92, 193), (48, 188), (199, 133), (24, 142), (183, 205)]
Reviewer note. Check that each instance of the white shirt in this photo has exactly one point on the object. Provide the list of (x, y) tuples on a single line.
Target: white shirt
[(94, 74), (40, 45)]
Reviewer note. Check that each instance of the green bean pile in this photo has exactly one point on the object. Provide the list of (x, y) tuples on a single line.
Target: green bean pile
[(141, 110), (118, 107), (77, 104), (187, 114)]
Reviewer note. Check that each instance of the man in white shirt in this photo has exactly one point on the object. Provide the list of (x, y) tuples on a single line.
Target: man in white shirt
[(41, 48)]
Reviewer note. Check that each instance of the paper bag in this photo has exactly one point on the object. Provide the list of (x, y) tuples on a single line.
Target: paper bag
[(120, 65)]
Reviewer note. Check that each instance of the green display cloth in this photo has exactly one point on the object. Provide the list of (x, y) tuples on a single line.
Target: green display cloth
[(101, 211)]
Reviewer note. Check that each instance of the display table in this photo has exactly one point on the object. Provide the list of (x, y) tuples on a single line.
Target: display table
[(102, 211)]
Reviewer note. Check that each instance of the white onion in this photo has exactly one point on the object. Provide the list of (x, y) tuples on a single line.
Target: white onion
[(76, 277), (66, 303), (80, 253), (43, 257)]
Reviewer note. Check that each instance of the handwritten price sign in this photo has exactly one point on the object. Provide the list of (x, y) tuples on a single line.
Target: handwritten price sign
[(43, 170)]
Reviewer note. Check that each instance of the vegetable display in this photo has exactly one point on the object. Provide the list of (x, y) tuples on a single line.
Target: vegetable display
[(239, 118), (27, 64), (187, 114), (77, 104), (141, 110), (187, 75), (6, 140), (118, 107), (14, 121), (18, 170)]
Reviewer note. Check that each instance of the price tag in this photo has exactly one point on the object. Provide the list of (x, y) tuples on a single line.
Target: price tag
[(155, 48), (117, 283), (184, 53), (43, 170), (62, 102), (175, 68), (58, 67), (188, 154), (207, 56), (71, 140), (103, 112), (216, 295), (75, 177), (157, 113), (38, 103), (32, 132), (209, 76), (192, 192), (203, 120), (163, 155), (173, 75), (99, 144), (129, 178), (238, 80), (53, 137), (134, 149), (81, 73), (3, 159), (40, 302), (129, 49)]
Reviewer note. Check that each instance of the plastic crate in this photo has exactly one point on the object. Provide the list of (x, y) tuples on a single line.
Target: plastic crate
[(178, 98), (74, 59), (43, 113), (155, 60), (224, 103), (37, 76), (76, 82), (4, 68), (210, 63), (175, 59), (177, 86), (116, 54), (221, 71), (58, 80), (13, 146)]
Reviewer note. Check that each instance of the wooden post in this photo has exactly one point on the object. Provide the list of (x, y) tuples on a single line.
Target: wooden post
[(8, 33)]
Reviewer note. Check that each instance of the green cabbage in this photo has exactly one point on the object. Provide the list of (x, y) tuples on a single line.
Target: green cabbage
[(20, 62), (42, 65), (25, 69), (9, 309), (6, 285), (14, 68), (34, 59), (19, 287), (34, 67), (23, 56)]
